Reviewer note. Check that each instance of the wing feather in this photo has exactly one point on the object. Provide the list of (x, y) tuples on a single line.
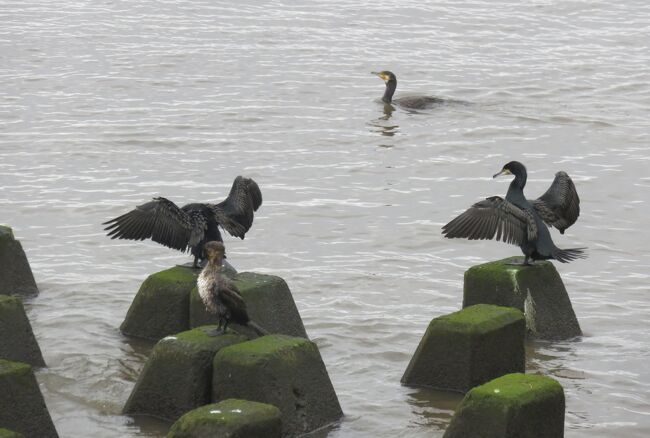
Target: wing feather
[(559, 206), (235, 214)]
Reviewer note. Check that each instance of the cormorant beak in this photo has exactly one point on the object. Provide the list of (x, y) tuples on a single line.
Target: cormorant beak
[(376, 73), (503, 172)]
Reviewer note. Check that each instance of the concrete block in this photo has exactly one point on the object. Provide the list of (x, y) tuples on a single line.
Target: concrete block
[(6, 433), (512, 406), (22, 408), (177, 376), (467, 348), (229, 419), (15, 272), (17, 341), (283, 371), (536, 290)]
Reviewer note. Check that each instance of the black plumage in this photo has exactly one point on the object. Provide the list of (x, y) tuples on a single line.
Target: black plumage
[(408, 102), (190, 226), (519, 221)]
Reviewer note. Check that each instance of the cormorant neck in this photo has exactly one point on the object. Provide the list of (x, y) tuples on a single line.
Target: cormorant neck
[(517, 185), (390, 90)]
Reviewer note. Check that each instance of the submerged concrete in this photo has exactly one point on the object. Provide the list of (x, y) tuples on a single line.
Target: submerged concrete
[(22, 408), (229, 419), (15, 272), (467, 348), (17, 341), (536, 290), (268, 301), (283, 371), (177, 376), (512, 406)]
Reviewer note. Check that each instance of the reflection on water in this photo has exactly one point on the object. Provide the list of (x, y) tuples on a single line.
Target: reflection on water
[(433, 408)]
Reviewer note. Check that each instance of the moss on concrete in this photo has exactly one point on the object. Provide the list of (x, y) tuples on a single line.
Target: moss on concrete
[(22, 407), (15, 272), (177, 376), (5, 433), (17, 341), (467, 348), (286, 372), (537, 290), (161, 306), (512, 406), (230, 418), (268, 300)]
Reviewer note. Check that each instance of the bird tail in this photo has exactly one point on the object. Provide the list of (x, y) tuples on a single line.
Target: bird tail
[(567, 255), (261, 331)]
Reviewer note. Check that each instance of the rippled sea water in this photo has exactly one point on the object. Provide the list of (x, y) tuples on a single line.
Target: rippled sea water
[(105, 104)]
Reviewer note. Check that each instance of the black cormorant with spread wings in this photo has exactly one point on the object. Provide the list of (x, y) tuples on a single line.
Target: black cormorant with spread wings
[(518, 221), (408, 102), (190, 226)]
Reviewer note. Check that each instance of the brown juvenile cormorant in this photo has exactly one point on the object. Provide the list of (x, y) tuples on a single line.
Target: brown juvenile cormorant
[(519, 221), (409, 102), (193, 224), (220, 295)]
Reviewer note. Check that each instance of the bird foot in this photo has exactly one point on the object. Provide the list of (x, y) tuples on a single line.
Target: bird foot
[(526, 262), (216, 331)]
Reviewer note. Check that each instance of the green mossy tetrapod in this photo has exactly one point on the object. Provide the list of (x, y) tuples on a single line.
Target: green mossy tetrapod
[(512, 406), (22, 407), (287, 372), (5, 433), (229, 419), (536, 290), (16, 275), (268, 301), (17, 342), (177, 376), (467, 348)]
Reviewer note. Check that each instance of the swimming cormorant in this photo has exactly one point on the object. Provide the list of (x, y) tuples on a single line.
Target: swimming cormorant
[(519, 221), (219, 294), (193, 224), (409, 102)]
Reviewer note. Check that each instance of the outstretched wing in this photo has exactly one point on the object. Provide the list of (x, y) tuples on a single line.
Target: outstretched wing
[(231, 297), (235, 213), (493, 218), (560, 205), (161, 221)]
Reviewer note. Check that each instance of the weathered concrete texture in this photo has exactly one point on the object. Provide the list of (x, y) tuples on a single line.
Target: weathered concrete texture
[(512, 406), (22, 408), (177, 376), (229, 419), (17, 341), (16, 275), (160, 307), (536, 290), (268, 300), (5, 433), (283, 371), (467, 348)]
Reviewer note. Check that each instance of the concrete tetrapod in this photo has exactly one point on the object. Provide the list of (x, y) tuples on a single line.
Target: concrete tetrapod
[(17, 342), (22, 408), (229, 419), (467, 348), (283, 371), (536, 290), (512, 406), (177, 376), (15, 272), (268, 301)]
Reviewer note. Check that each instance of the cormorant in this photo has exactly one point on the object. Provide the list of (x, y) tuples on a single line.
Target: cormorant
[(519, 221), (193, 224), (409, 102), (220, 295)]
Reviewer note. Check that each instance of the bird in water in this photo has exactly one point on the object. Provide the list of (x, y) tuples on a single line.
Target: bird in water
[(520, 221), (408, 102), (219, 294), (192, 225)]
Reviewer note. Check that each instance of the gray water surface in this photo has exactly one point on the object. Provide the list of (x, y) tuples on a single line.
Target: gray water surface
[(104, 104)]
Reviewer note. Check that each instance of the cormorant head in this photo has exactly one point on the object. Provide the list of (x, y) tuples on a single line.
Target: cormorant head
[(214, 251), (512, 168), (386, 75)]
